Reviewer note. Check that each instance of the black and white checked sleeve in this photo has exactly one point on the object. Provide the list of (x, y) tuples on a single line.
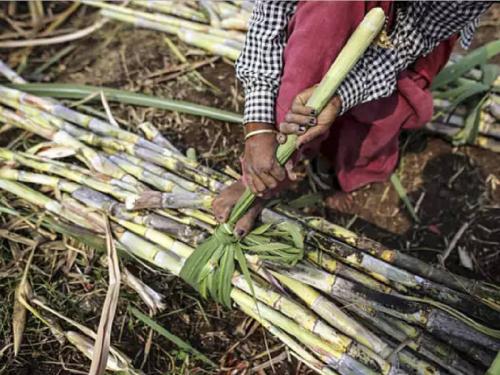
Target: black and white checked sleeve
[(418, 29), (259, 67)]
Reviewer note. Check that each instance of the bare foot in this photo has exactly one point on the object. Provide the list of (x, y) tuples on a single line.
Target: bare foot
[(340, 201), (224, 203)]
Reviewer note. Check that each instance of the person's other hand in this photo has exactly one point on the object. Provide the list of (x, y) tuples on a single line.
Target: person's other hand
[(260, 167), (305, 122)]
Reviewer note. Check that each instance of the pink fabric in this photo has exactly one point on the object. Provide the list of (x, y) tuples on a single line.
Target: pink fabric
[(363, 144)]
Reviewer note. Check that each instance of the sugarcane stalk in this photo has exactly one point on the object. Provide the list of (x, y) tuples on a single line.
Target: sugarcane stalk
[(419, 341), (97, 200), (170, 24), (72, 175), (339, 361), (336, 317), (390, 256), (41, 200), (449, 131), (313, 324), (174, 8), (476, 353), (10, 74), (432, 319), (151, 133), (61, 137), (303, 354), (161, 172)]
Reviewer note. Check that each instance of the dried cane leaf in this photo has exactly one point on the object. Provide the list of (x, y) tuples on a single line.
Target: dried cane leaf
[(22, 293), (102, 343)]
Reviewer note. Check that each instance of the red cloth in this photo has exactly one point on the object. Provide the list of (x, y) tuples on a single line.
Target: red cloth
[(363, 144)]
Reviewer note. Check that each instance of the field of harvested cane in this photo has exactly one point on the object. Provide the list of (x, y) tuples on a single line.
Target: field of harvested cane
[(119, 124)]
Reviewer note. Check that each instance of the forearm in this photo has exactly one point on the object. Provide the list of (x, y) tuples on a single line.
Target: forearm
[(260, 63)]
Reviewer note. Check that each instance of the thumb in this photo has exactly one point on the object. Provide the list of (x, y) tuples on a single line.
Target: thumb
[(304, 96)]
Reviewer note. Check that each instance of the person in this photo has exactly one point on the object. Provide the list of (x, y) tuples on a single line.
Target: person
[(289, 47)]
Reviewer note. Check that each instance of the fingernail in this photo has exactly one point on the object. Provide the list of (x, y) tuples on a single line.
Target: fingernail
[(312, 121), (302, 129), (240, 232), (220, 218), (313, 112)]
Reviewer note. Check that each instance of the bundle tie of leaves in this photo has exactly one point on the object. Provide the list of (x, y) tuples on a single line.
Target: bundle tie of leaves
[(211, 267)]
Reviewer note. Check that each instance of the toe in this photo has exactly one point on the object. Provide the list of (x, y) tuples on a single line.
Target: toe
[(223, 204), (246, 223)]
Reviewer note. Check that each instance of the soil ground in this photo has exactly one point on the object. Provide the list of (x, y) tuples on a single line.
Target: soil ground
[(453, 185)]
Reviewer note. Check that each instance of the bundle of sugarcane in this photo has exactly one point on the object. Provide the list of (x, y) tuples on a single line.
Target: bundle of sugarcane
[(401, 313), (215, 26), (466, 100), (380, 296), (82, 192)]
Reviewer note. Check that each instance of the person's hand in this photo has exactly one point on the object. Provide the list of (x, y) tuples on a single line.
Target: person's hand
[(305, 122), (260, 167)]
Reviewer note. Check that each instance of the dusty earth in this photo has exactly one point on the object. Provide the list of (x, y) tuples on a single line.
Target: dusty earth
[(453, 185)]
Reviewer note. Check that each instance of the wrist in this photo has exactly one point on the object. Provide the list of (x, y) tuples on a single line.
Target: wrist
[(252, 126)]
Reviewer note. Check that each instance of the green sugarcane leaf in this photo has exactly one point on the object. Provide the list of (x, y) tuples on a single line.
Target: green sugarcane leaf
[(242, 262), (452, 93), (211, 283), (471, 90), (477, 57), (471, 127), (224, 275), (307, 200), (396, 182), (490, 73), (253, 239), (170, 336), (261, 229), (195, 263), (203, 286), (72, 91), (271, 247), (213, 263), (294, 231)]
